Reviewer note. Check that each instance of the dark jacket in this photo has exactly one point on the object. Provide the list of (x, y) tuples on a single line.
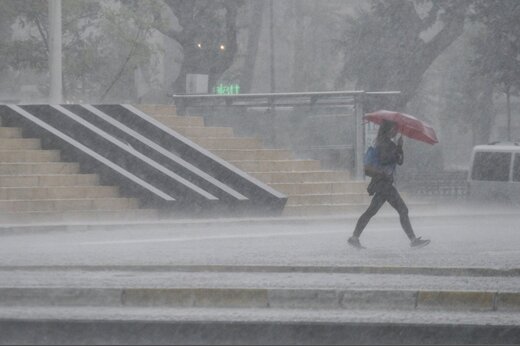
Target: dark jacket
[(390, 155)]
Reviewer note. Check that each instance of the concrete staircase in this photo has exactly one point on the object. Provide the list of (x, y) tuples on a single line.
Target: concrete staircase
[(311, 190), (35, 186)]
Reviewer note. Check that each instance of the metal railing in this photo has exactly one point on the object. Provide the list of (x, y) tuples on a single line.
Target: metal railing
[(451, 184), (312, 101)]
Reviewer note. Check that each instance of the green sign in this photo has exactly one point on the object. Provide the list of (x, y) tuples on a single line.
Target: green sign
[(226, 89)]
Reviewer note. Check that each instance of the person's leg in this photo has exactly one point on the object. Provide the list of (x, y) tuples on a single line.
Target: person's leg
[(396, 201), (377, 202)]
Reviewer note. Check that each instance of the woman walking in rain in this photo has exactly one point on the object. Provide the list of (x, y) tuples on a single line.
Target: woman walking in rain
[(381, 186)]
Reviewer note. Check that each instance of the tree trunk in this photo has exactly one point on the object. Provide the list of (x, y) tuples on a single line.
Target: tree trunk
[(254, 30), (209, 58), (413, 56), (425, 56), (299, 46), (484, 116)]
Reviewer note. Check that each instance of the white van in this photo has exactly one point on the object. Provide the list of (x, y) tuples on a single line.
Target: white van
[(494, 172)]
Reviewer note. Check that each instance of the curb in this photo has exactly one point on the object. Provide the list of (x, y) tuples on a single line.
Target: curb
[(393, 270), (263, 298), (64, 331)]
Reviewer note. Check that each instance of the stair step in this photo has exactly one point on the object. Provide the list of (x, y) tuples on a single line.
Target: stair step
[(157, 109), (176, 121), (10, 132), (49, 180), (29, 156), (19, 143), (51, 205), (278, 165), (57, 192), (319, 188), (302, 177), (253, 154), (31, 168), (227, 143), (205, 131), (328, 199)]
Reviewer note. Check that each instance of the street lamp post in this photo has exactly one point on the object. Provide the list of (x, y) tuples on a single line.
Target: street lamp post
[(55, 53)]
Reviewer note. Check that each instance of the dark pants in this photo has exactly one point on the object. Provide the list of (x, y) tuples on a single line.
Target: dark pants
[(392, 196)]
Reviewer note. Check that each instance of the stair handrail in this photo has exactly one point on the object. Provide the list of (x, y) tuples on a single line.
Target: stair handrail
[(163, 151), (205, 152)]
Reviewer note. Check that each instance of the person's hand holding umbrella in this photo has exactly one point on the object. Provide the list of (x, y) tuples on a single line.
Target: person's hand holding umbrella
[(400, 142)]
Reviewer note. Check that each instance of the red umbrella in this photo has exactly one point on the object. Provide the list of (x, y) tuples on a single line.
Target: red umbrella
[(407, 125)]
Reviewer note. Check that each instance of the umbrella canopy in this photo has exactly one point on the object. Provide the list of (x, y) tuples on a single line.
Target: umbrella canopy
[(407, 125)]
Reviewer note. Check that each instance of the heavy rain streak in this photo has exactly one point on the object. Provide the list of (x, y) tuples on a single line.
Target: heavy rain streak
[(259, 172)]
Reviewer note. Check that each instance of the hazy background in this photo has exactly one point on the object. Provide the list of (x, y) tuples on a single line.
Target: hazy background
[(455, 62)]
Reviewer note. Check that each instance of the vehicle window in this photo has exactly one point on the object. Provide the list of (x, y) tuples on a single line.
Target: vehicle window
[(516, 168), (491, 166)]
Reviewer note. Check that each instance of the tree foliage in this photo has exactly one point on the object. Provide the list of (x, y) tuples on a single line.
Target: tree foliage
[(103, 42), (390, 46), (465, 97), (129, 29), (318, 27), (30, 50), (497, 49)]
